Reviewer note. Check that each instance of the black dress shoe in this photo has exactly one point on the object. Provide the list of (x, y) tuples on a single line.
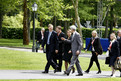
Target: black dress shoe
[(79, 75), (45, 72), (111, 75), (99, 72), (86, 71), (56, 70), (66, 73)]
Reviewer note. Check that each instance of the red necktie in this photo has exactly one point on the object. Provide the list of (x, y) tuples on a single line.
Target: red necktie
[(110, 45)]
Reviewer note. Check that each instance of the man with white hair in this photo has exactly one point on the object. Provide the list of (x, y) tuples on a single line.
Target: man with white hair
[(76, 45)]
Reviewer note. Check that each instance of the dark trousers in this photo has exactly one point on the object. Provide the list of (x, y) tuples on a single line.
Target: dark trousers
[(94, 58), (59, 58), (120, 70), (49, 56)]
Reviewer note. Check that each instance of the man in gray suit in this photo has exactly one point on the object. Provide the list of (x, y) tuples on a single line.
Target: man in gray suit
[(75, 49)]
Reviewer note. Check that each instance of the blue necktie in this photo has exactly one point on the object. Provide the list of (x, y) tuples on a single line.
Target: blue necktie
[(48, 40)]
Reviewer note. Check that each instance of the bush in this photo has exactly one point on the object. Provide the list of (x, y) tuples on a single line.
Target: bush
[(16, 21), (17, 33)]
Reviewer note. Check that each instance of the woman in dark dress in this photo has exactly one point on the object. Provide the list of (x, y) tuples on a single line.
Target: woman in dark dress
[(114, 52), (96, 46), (67, 55)]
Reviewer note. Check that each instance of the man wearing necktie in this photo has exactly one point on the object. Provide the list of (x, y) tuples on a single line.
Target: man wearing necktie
[(61, 48), (51, 41)]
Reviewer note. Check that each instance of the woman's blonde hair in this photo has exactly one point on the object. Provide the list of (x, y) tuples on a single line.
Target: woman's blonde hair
[(94, 31), (114, 35)]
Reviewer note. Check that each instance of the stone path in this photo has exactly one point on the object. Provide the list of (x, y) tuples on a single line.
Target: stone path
[(20, 49), (37, 74)]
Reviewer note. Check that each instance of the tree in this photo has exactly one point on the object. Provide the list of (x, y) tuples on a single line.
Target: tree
[(25, 25), (75, 5), (5, 7)]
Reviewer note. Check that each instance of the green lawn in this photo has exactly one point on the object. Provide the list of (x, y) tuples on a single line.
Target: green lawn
[(14, 43), (16, 60), (19, 60), (19, 43)]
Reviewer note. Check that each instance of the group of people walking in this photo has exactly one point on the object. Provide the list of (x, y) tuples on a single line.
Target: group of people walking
[(60, 47)]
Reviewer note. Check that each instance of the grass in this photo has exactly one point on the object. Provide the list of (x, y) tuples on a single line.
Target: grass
[(91, 79), (19, 43), (19, 60), (14, 43)]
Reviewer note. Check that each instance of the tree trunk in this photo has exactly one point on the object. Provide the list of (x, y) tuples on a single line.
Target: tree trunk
[(41, 23), (93, 23), (115, 22), (55, 22), (112, 21), (77, 16), (75, 4), (1, 18), (106, 29), (78, 22), (25, 27), (28, 21), (65, 28)]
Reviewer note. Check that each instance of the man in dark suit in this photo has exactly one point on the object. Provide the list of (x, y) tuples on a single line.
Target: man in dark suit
[(61, 47), (119, 40), (51, 41), (40, 37)]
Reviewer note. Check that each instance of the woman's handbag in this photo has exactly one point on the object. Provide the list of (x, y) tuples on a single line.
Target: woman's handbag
[(117, 65), (107, 60)]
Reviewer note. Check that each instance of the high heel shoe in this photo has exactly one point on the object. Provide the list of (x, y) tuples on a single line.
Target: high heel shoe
[(99, 72)]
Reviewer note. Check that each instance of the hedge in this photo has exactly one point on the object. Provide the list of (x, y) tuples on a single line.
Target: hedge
[(17, 33)]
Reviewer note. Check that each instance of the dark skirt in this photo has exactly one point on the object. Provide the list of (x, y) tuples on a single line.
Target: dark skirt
[(67, 57), (112, 60)]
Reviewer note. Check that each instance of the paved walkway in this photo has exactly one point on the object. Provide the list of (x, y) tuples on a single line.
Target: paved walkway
[(39, 51), (37, 74), (20, 49)]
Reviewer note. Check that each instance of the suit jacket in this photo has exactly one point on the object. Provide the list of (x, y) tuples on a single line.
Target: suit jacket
[(76, 43), (115, 49), (39, 37), (97, 45), (119, 40), (61, 42), (53, 41)]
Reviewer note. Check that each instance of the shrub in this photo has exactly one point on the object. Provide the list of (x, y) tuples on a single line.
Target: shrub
[(17, 33)]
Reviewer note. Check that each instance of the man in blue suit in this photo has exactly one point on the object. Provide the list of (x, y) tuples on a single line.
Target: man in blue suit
[(51, 41)]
